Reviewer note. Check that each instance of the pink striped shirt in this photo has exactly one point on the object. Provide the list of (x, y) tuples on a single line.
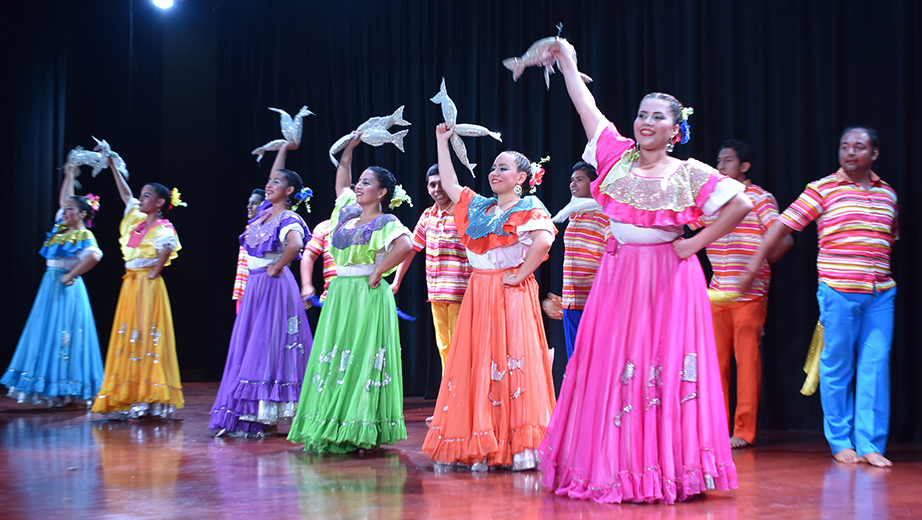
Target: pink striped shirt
[(584, 243), (447, 268), (319, 245), (240, 281), (730, 253), (856, 227)]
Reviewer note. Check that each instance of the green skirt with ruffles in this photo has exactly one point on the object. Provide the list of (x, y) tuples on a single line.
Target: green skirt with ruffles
[(352, 395)]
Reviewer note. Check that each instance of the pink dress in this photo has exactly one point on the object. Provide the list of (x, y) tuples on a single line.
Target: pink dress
[(641, 416)]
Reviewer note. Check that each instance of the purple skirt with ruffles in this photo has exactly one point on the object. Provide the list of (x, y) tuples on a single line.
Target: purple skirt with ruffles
[(267, 357)]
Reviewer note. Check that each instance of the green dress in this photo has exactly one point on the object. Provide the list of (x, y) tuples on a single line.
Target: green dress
[(352, 395)]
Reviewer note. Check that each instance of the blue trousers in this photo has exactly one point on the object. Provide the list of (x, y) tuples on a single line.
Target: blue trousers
[(855, 368), (570, 325)]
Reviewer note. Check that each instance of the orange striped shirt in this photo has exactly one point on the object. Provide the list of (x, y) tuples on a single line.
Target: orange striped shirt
[(856, 227), (319, 245), (447, 267), (240, 281), (584, 243), (730, 253)]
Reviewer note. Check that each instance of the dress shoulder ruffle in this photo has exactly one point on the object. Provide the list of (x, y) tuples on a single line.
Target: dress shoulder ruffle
[(66, 244), (259, 239), (480, 232), (674, 200)]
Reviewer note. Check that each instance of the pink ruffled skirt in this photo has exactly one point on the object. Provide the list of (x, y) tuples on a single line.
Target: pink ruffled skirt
[(641, 415)]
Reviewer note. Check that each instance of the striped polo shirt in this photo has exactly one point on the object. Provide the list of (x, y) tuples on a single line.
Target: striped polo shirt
[(730, 253), (447, 268), (584, 242), (856, 227), (319, 245), (240, 281)]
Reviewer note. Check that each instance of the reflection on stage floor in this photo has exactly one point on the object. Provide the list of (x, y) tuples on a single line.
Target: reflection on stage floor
[(73, 464)]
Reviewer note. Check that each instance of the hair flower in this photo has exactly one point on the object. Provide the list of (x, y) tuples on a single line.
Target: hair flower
[(400, 196), (303, 196), (684, 127), (93, 200), (176, 199), (537, 174)]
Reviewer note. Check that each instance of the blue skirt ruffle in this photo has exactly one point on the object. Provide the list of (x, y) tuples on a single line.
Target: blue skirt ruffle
[(57, 356)]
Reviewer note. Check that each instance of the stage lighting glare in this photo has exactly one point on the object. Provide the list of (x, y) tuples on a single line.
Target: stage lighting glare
[(163, 4)]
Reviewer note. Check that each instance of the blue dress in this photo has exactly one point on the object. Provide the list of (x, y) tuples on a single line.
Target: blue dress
[(57, 359)]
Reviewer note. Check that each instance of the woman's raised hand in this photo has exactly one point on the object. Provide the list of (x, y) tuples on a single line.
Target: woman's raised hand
[(564, 52), (356, 139), (443, 133)]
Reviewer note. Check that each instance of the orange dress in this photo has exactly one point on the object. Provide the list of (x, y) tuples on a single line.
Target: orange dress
[(497, 393)]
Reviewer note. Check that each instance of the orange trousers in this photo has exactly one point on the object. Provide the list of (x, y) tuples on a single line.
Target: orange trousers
[(737, 330)]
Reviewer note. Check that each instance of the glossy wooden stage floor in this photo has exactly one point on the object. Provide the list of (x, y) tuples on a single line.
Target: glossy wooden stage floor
[(73, 464)]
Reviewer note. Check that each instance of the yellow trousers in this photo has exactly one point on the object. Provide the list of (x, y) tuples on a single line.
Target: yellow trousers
[(444, 318)]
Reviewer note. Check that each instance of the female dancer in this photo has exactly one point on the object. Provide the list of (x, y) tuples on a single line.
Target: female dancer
[(271, 338), (57, 358), (142, 372), (497, 394), (352, 396), (240, 281), (641, 415)]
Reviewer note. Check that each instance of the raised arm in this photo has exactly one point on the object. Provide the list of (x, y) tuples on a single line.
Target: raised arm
[(450, 184), (582, 99), (123, 190), (280, 156), (344, 170), (67, 185)]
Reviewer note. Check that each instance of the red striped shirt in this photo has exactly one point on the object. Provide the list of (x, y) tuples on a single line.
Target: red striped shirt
[(730, 253), (584, 243), (447, 267), (319, 245), (856, 227)]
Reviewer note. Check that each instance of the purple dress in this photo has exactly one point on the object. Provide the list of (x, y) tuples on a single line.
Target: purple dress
[(271, 341)]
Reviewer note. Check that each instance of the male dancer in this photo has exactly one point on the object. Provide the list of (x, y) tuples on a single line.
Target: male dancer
[(856, 216), (738, 323), (447, 268)]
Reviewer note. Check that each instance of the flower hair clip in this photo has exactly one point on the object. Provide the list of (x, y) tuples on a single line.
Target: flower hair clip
[(93, 201), (176, 199), (684, 127), (400, 196), (303, 196), (537, 174)]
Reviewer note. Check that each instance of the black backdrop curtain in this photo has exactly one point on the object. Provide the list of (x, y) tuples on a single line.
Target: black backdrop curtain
[(182, 95)]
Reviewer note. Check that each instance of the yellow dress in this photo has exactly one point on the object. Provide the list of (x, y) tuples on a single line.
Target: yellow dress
[(142, 372)]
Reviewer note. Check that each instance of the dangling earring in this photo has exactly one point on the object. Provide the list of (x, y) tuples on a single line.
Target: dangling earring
[(670, 146), (517, 190), (380, 207)]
